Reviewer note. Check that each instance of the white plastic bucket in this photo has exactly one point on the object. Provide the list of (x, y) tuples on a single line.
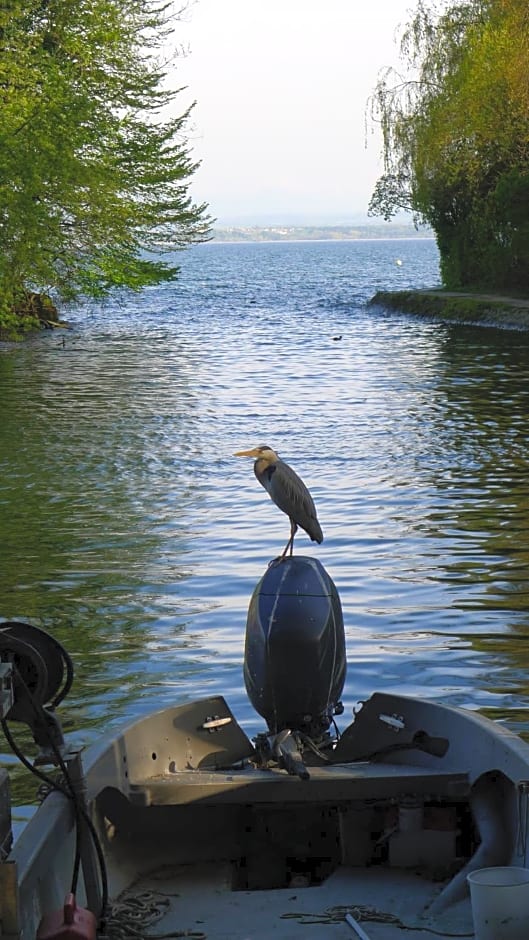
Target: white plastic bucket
[(500, 903)]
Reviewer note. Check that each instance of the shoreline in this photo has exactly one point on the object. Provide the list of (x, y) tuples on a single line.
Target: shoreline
[(311, 241), (473, 309)]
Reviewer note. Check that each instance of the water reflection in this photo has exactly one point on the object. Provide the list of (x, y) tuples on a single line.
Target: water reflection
[(96, 523)]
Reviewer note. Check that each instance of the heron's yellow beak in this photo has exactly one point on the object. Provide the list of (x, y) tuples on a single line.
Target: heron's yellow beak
[(254, 452)]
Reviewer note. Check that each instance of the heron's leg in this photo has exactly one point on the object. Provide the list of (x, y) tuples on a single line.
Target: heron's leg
[(289, 547), (293, 530)]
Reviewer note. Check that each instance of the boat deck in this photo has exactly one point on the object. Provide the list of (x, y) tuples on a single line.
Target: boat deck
[(359, 781), (199, 900)]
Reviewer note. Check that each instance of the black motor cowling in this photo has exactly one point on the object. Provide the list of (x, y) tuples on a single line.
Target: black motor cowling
[(294, 661)]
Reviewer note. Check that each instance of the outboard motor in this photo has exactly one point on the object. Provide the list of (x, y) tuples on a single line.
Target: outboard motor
[(294, 661)]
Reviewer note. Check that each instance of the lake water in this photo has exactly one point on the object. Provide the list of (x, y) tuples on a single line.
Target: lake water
[(130, 532)]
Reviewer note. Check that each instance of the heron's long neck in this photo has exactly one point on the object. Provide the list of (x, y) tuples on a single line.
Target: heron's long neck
[(264, 470)]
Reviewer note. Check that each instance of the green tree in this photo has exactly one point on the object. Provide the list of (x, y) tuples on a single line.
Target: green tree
[(456, 138), (94, 166)]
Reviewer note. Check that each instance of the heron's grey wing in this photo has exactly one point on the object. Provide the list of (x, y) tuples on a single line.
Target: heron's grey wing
[(290, 494)]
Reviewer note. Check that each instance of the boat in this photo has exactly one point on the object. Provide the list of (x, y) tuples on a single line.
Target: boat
[(180, 825)]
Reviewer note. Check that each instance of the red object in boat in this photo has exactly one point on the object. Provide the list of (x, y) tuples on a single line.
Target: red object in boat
[(70, 923)]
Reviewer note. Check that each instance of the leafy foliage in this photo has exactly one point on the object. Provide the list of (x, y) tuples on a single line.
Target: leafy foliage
[(456, 138), (94, 167)]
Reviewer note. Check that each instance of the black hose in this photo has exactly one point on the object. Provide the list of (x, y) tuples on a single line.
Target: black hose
[(68, 791)]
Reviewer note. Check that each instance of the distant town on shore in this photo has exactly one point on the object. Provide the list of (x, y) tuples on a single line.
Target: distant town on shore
[(283, 233)]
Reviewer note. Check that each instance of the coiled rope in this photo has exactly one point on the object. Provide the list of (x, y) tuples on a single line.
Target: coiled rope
[(133, 913), (336, 915)]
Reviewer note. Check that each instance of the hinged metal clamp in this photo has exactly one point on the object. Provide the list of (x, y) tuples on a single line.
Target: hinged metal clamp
[(215, 723), (396, 722)]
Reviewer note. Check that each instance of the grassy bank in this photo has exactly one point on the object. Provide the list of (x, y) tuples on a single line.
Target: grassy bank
[(510, 313)]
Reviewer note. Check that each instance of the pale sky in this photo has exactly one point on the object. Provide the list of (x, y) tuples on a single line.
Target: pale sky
[(281, 88)]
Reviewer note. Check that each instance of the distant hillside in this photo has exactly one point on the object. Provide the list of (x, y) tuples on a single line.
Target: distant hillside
[(284, 233)]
